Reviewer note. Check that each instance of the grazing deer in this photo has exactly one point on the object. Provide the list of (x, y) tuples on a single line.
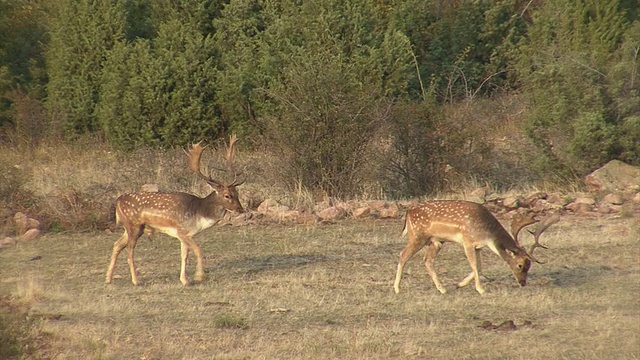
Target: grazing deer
[(176, 214), (472, 226)]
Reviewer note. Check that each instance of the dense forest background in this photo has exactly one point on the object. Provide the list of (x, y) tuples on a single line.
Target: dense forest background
[(409, 92)]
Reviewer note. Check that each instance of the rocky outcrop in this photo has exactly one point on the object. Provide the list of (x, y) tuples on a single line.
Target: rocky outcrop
[(26, 229), (615, 176)]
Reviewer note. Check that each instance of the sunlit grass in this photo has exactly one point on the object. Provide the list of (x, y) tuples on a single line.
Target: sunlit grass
[(326, 292)]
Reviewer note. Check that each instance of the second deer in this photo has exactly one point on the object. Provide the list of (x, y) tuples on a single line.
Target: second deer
[(176, 214), (472, 226)]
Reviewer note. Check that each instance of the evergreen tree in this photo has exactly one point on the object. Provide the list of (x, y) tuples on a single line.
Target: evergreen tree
[(82, 33), (160, 91), (568, 69)]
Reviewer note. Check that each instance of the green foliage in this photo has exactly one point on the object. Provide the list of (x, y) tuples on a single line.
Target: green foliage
[(416, 165), (427, 150), (82, 33), (22, 35), (325, 69), (324, 127), (160, 91), (243, 65), (581, 84), (628, 140), (228, 321), (313, 81), (463, 47)]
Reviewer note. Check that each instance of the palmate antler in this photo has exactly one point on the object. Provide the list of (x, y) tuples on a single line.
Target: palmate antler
[(519, 223), (195, 153), (544, 225)]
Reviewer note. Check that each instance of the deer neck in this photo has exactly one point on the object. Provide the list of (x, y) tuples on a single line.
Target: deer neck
[(210, 207), (504, 245)]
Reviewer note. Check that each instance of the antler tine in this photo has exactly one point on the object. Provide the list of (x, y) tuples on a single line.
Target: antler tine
[(231, 152), (235, 179), (231, 161), (519, 223), (544, 225)]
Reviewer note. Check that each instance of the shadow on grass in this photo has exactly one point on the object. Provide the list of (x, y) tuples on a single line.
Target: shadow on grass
[(582, 275), (254, 265)]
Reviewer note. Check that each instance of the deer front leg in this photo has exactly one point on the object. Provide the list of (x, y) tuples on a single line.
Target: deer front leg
[(184, 255), (432, 250), (191, 244), (120, 244), (471, 275), (471, 253)]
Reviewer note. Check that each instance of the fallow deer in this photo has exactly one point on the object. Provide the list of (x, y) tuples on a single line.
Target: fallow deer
[(472, 226), (176, 214)]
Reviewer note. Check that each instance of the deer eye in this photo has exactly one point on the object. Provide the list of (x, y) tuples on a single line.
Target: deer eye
[(227, 196), (520, 266)]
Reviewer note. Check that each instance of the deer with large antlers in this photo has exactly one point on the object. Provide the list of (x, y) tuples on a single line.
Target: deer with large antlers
[(176, 214), (472, 226)]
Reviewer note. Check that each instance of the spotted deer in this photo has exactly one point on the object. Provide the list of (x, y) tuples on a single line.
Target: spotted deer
[(176, 214), (472, 226)]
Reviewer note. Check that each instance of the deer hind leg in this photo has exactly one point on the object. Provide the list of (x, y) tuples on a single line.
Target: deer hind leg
[(473, 256), (120, 244), (134, 235), (415, 244), (432, 251)]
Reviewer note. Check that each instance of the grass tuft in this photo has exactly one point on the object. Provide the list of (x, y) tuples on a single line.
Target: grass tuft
[(228, 321)]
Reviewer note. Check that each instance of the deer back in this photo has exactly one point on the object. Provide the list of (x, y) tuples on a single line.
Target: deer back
[(177, 211), (459, 221)]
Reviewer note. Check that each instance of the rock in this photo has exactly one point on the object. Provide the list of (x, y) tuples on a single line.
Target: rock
[(21, 222), (241, 219), (579, 208), (511, 202), (605, 208), (361, 212), (636, 198), (390, 212), (29, 235), (288, 215), (584, 200), (24, 223), (250, 200), (559, 200), (307, 219), (613, 199), (378, 205), (332, 213), (614, 176), (33, 224), (271, 205), (542, 205), (6, 242), (533, 198), (150, 188)]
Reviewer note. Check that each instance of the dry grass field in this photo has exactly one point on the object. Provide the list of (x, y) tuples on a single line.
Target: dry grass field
[(301, 292)]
